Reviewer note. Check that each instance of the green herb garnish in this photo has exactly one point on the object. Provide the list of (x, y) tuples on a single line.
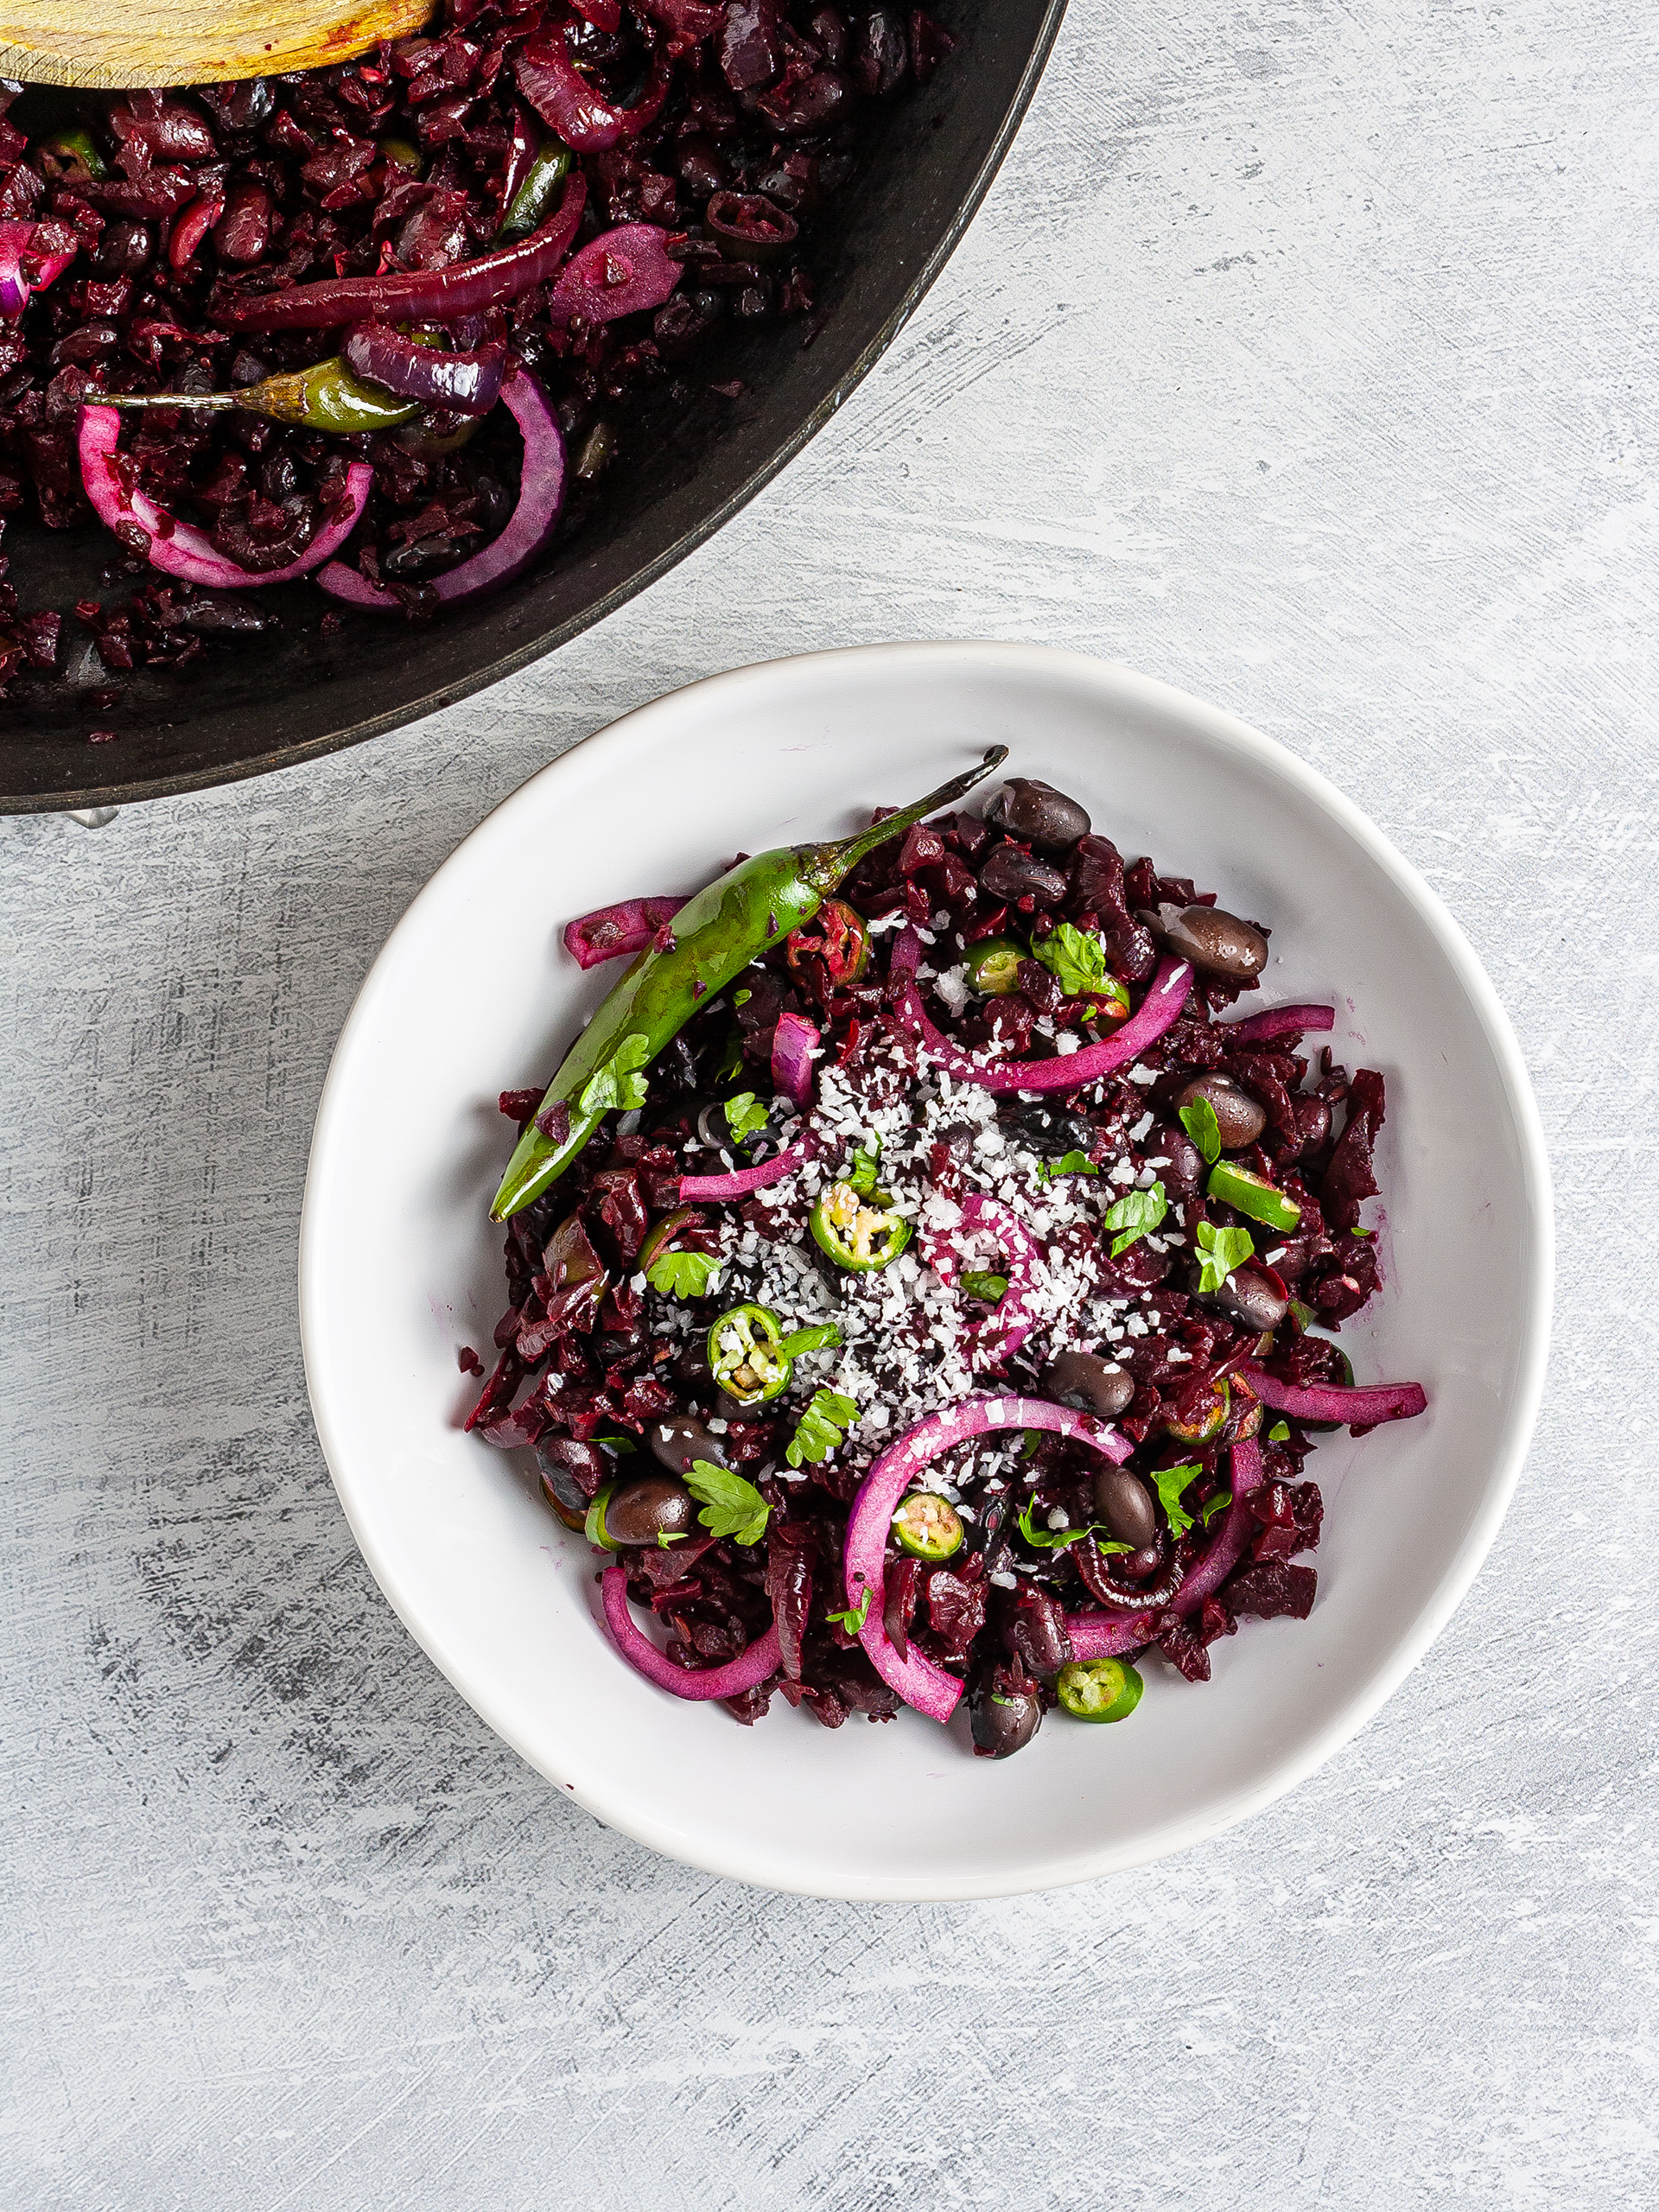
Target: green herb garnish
[(615, 1084), (1212, 1506), (681, 1274), (1220, 1252), (1171, 1482), (817, 1336), (1078, 963), (1135, 1213), (731, 1506), (1199, 1122), (1280, 1432), (822, 1428), (1068, 1163), (855, 1616), (744, 1115), (1055, 1540), (978, 1283), (867, 1162)]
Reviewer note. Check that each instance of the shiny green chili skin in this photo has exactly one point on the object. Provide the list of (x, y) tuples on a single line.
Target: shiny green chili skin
[(533, 201), (743, 913)]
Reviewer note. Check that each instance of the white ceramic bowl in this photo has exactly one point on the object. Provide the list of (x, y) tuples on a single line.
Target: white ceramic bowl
[(398, 1266)]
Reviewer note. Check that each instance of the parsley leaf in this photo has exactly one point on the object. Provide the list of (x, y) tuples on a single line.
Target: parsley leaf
[(1077, 962), (1135, 1213), (855, 1616), (822, 1428), (818, 1336), (978, 1282), (681, 1275), (615, 1084), (1055, 1540), (744, 1115), (731, 1506), (1221, 1251), (616, 1443), (1212, 1506), (1171, 1482), (1199, 1122), (664, 1538), (1280, 1432), (867, 1162), (1068, 1163)]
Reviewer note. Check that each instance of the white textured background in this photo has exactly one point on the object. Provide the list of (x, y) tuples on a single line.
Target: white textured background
[(1303, 355)]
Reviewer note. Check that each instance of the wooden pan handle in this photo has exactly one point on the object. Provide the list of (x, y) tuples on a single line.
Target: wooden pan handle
[(121, 44)]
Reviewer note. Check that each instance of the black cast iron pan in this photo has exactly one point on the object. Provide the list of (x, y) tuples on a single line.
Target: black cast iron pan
[(292, 694)]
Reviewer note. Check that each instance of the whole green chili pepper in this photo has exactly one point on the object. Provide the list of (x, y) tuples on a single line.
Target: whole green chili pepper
[(533, 201), (326, 396), (752, 907)]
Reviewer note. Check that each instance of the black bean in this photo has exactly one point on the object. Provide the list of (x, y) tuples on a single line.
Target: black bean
[(647, 1507), (1250, 1297), (243, 231), (678, 1440), (1214, 940), (218, 614), (702, 168), (1124, 1504), (1183, 1174), (1027, 808), (1005, 1711), (1010, 875), (1238, 1117), (1051, 1130), (1136, 1566), (1088, 1383), (829, 29), (122, 247)]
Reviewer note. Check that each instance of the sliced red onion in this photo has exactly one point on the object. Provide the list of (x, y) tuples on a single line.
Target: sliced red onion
[(618, 273), (931, 1688), (192, 227), (744, 1180), (1006, 1327), (16, 239), (612, 932), (470, 383), (1165, 996), (792, 1056), (541, 496), (1279, 1022), (762, 1658), (1358, 1409), (178, 549), (1109, 1635), (567, 103)]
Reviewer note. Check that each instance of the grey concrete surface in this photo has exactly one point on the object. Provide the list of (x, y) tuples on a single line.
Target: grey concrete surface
[(1304, 355)]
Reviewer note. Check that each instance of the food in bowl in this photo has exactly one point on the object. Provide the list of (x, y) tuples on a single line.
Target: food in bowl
[(922, 1285), (385, 326)]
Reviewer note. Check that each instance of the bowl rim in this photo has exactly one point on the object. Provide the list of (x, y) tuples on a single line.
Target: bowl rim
[(134, 792), (1116, 685)]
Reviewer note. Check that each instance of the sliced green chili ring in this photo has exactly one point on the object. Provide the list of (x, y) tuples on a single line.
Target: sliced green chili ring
[(1253, 1195), (928, 1527), (1099, 1689), (747, 1355), (594, 1527), (533, 200), (1207, 1425), (73, 144), (858, 1234), (982, 1284), (994, 966)]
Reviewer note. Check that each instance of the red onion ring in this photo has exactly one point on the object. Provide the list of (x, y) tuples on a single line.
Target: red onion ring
[(567, 103), (744, 1180), (1279, 1022), (612, 932), (1358, 1409), (541, 496), (1166, 994), (762, 1658), (470, 382), (15, 240), (178, 549), (618, 273), (792, 1056), (931, 1688), (424, 295), (1103, 1635)]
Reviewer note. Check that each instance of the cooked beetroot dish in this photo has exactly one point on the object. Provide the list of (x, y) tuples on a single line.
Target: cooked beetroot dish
[(924, 1278), (383, 324)]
